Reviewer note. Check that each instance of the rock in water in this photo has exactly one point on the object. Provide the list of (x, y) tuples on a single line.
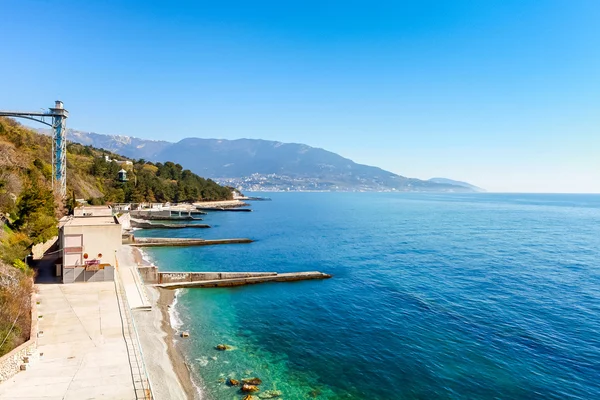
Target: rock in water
[(249, 388), (223, 347), (185, 334), (233, 382), (250, 397), (270, 394), (252, 381)]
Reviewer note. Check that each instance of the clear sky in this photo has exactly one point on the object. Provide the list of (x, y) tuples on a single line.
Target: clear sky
[(504, 94)]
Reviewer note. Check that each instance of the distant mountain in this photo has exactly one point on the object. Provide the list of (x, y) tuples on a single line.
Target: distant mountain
[(457, 183), (253, 164), (125, 145)]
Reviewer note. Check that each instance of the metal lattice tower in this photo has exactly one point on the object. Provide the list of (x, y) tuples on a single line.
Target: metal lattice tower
[(59, 116)]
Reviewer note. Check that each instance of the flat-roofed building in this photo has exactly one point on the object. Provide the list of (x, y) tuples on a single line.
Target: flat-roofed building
[(93, 211), (88, 245)]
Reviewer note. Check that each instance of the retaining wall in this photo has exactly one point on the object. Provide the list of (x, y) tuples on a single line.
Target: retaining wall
[(10, 363), (81, 274), (39, 249), (149, 274)]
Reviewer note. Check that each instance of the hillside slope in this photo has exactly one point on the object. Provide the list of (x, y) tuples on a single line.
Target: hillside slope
[(90, 176), (457, 183)]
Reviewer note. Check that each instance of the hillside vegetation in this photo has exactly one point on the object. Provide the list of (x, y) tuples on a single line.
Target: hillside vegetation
[(29, 211), (91, 177), (28, 215)]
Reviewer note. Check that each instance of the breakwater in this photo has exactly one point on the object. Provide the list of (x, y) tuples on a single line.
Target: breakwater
[(225, 209), (150, 225), (177, 280), (219, 204), (163, 242), (167, 214)]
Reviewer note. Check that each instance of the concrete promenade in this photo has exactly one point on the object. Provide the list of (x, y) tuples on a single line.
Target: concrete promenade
[(83, 353), (137, 297)]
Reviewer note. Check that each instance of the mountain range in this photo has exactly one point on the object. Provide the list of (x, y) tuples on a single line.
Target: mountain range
[(254, 164)]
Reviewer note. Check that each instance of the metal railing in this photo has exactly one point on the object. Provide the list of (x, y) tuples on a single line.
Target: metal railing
[(141, 379)]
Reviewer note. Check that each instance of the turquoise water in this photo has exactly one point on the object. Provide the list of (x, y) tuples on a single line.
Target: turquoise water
[(451, 296)]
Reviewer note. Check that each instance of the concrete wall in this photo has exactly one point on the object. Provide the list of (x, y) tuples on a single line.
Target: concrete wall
[(39, 249), (153, 213), (178, 277), (11, 362), (149, 274), (80, 274), (125, 221)]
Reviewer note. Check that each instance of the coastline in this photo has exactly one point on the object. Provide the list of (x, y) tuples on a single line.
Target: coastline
[(172, 377)]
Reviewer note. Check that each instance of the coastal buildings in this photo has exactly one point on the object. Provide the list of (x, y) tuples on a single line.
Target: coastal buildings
[(88, 242), (123, 163)]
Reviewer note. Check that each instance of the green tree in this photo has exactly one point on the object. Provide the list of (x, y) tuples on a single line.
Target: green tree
[(35, 210)]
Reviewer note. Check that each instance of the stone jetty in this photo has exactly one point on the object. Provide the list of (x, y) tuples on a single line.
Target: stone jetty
[(136, 223), (165, 242), (177, 280), (230, 209)]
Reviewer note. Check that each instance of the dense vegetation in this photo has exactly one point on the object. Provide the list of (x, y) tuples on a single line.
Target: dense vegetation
[(28, 215), (29, 210), (148, 182)]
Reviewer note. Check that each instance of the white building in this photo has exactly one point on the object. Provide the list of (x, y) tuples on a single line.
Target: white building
[(88, 245)]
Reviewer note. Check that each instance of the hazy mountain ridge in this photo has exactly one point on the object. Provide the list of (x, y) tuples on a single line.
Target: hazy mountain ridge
[(458, 183), (262, 164)]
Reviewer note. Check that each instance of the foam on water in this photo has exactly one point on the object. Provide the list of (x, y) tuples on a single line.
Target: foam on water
[(174, 313)]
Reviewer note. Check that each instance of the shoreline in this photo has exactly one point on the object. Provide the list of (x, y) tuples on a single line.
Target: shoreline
[(162, 300)]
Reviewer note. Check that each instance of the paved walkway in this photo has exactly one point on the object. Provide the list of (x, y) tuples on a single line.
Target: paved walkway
[(135, 291), (84, 350)]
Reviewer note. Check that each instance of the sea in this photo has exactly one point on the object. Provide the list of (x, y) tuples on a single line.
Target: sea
[(433, 296)]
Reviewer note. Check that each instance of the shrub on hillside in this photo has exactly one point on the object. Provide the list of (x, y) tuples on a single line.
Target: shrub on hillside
[(16, 288)]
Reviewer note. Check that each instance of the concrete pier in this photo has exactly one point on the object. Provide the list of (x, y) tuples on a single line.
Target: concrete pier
[(163, 242), (167, 218), (225, 209), (148, 225), (176, 280)]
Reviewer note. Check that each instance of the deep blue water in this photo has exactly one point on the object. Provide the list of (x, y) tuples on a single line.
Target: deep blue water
[(434, 296)]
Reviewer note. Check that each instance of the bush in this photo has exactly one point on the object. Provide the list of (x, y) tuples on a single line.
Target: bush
[(14, 246), (16, 288)]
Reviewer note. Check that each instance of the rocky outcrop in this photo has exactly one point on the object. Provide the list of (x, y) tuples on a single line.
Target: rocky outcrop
[(270, 394), (252, 381), (250, 388)]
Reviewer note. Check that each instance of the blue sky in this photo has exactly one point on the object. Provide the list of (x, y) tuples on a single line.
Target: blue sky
[(504, 94)]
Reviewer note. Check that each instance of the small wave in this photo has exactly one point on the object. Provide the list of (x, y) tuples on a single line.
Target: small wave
[(202, 361), (145, 257), (174, 315)]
